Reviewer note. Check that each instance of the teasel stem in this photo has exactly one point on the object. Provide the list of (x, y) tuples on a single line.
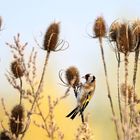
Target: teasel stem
[(106, 76), (108, 88), (118, 84), (41, 80), (126, 93), (135, 68), (126, 77), (36, 94)]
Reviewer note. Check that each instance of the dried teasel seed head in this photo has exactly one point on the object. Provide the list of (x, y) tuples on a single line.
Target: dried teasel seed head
[(16, 120), (136, 27), (136, 31), (125, 39), (72, 76), (99, 28), (51, 37), (17, 68), (4, 136), (113, 31)]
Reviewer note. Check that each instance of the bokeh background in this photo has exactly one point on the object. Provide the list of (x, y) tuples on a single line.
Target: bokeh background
[(31, 18)]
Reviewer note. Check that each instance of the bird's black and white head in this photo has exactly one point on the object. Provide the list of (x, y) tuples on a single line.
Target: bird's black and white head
[(89, 78)]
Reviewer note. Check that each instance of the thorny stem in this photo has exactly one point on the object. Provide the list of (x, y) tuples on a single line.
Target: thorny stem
[(108, 88), (126, 77), (36, 94), (41, 81), (126, 92), (118, 84), (135, 68)]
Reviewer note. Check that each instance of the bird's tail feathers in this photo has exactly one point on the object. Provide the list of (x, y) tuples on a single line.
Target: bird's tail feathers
[(73, 113)]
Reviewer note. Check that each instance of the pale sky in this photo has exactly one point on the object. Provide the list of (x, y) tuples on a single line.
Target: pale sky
[(31, 18)]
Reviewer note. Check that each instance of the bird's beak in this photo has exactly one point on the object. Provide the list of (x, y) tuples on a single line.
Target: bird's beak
[(83, 77)]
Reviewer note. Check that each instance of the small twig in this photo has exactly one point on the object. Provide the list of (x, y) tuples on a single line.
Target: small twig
[(4, 108)]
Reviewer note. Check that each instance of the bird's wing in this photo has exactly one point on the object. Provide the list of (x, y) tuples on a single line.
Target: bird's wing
[(86, 96)]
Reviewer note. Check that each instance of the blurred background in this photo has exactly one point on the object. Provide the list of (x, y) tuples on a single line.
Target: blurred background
[(31, 19)]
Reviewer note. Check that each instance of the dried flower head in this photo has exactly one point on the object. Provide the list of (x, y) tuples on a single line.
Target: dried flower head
[(99, 27), (113, 31), (123, 38), (122, 34), (51, 37), (72, 76), (16, 120), (136, 30), (17, 69), (4, 136)]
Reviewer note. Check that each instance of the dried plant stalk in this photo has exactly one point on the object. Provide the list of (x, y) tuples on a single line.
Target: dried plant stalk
[(100, 32), (135, 67), (136, 32), (84, 132), (108, 88), (113, 34)]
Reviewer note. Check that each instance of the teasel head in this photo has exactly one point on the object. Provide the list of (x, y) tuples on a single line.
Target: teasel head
[(113, 31), (122, 34), (136, 32), (124, 38), (72, 76), (51, 37), (16, 120), (17, 68), (99, 28), (4, 136)]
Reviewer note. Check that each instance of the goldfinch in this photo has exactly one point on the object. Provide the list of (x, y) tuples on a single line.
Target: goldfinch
[(83, 93)]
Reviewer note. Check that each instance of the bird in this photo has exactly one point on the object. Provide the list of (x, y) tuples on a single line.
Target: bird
[(83, 94)]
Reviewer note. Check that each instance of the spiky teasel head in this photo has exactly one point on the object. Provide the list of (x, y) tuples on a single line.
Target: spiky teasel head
[(113, 31), (72, 76), (16, 120), (99, 28), (136, 30), (4, 136), (51, 37), (124, 38), (17, 68)]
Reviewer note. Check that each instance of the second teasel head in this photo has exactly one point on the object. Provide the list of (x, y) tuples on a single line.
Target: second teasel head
[(4, 136), (122, 34), (99, 27), (136, 32), (113, 31), (51, 37), (125, 39), (72, 76), (17, 68), (16, 120)]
